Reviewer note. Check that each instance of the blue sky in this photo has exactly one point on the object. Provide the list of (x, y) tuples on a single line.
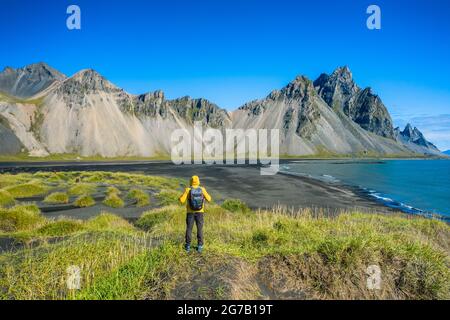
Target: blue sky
[(237, 50)]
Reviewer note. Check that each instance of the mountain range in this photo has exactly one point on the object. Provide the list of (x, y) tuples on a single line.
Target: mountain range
[(44, 112)]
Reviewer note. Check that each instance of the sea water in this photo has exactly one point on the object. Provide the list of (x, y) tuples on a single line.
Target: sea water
[(412, 186)]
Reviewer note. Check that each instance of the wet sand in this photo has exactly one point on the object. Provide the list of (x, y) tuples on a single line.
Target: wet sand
[(233, 181)]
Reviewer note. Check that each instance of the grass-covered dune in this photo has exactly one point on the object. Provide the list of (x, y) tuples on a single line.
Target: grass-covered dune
[(248, 255), (80, 189)]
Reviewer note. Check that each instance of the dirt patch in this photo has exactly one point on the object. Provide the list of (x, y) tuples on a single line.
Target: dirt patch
[(213, 277)]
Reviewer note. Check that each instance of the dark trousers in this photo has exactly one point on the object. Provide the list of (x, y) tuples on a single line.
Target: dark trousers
[(198, 219)]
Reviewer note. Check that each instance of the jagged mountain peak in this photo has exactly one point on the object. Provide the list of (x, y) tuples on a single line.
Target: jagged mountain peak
[(341, 93), (338, 88), (342, 73), (300, 87), (409, 130), (340, 76), (29, 80), (412, 135), (85, 74), (88, 81)]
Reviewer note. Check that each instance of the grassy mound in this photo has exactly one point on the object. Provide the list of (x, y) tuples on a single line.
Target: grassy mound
[(154, 217), (57, 198), (113, 201), (20, 218), (6, 198), (60, 228), (141, 197), (84, 201), (113, 190), (107, 221), (168, 197), (235, 205), (82, 189), (26, 190)]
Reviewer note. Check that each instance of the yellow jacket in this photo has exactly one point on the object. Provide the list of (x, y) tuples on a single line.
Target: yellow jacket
[(195, 183)]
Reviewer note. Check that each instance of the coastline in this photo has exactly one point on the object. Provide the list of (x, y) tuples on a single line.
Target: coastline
[(376, 195)]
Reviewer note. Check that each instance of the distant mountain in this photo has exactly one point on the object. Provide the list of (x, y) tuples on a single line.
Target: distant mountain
[(447, 152), (415, 140), (28, 81), (44, 112)]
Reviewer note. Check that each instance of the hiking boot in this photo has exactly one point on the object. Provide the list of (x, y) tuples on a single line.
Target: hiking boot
[(187, 247), (199, 249)]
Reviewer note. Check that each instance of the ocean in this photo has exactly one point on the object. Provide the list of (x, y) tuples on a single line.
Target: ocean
[(412, 186)]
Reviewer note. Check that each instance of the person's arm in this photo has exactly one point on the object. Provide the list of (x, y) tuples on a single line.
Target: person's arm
[(206, 195), (184, 196)]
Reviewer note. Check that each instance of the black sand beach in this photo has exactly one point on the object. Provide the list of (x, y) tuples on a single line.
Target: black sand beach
[(229, 181)]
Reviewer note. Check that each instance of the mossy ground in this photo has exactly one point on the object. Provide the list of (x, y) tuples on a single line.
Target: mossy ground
[(248, 255)]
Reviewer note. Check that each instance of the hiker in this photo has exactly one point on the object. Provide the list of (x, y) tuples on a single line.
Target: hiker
[(195, 209)]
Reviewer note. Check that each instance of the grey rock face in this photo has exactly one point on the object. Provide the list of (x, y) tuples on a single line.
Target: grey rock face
[(365, 108), (150, 105), (75, 89), (201, 110), (301, 112), (9, 143), (28, 81), (191, 110), (338, 88)]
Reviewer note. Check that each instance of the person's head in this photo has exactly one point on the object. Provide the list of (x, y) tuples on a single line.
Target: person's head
[(195, 181)]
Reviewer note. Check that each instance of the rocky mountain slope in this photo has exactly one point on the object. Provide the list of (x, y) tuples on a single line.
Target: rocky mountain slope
[(362, 106), (28, 81), (309, 125), (44, 112)]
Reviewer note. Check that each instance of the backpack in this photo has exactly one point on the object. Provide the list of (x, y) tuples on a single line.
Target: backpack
[(196, 199)]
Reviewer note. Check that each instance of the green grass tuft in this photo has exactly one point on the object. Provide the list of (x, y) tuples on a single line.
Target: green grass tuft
[(82, 189), (60, 228), (26, 190), (113, 190), (168, 197), (141, 197), (57, 198), (108, 221), (150, 219), (6, 199), (235, 205), (20, 218), (84, 201), (114, 201)]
